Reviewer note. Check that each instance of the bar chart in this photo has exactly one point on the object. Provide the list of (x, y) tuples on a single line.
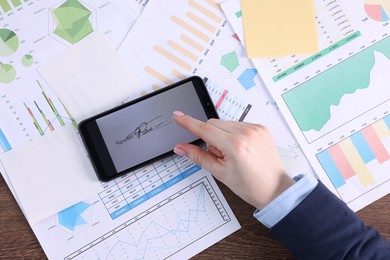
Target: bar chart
[(183, 52), (4, 143), (228, 105), (48, 123), (7, 6), (355, 161)]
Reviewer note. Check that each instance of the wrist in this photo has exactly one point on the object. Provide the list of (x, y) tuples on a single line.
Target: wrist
[(283, 183)]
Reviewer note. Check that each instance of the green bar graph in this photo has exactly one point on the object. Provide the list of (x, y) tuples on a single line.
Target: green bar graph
[(5, 5), (16, 3)]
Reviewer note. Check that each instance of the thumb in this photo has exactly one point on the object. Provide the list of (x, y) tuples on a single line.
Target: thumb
[(197, 155)]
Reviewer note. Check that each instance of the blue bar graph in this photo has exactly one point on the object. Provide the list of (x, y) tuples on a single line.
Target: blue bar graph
[(4, 142), (331, 169), (387, 121), (362, 147)]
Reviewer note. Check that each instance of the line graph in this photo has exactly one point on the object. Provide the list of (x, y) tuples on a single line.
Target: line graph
[(162, 230)]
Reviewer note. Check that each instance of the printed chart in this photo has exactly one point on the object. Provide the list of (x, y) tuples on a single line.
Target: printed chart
[(178, 222), (72, 217), (362, 160), (71, 21), (219, 56), (9, 42), (343, 92), (228, 106), (29, 108), (8, 6), (131, 190), (189, 38), (337, 101), (377, 10), (163, 230), (193, 41), (334, 25), (4, 142)]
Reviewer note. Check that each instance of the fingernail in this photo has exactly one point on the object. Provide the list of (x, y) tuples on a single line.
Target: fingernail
[(178, 113), (179, 151)]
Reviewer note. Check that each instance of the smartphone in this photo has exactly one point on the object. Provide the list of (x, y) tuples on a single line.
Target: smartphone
[(136, 133)]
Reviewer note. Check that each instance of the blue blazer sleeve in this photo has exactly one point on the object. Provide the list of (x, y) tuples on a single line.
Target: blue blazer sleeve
[(323, 227)]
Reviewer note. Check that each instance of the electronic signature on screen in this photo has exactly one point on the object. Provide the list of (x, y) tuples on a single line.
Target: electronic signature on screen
[(145, 128)]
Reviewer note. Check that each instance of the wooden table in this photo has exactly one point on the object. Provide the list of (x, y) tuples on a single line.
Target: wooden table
[(251, 241)]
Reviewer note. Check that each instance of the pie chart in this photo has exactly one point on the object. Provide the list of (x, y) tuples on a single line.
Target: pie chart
[(378, 10), (9, 42), (27, 60), (7, 73)]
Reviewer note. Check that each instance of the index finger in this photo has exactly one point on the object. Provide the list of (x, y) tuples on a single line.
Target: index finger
[(207, 132)]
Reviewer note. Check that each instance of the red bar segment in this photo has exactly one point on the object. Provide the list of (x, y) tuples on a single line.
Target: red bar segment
[(375, 144), (341, 161)]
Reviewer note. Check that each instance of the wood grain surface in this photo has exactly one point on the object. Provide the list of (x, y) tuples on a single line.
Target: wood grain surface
[(252, 241)]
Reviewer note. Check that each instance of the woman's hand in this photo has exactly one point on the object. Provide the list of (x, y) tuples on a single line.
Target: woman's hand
[(241, 155)]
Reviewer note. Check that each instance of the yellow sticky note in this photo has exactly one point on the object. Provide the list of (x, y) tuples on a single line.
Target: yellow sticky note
[(276, 28)]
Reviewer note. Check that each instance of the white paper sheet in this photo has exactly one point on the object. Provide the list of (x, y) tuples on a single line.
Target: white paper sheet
[(28, 107), (337, 101), (179, 45), (50, 174), (90, 77)]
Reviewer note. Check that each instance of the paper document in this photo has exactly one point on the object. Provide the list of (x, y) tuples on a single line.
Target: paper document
[(337, 101), (50, 174), (33, 34), (90, 77), (181, 45), (123, 222), (278, 27)]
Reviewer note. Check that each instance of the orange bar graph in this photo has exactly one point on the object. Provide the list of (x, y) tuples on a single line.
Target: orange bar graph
[(356, 162), (158, 75), (205, 11), (172, 57), (381, 129), (213, 4), (201, 22), (182, 50), (178, 74), (155, 87), (190, 29), (375, 144), (191, 43)]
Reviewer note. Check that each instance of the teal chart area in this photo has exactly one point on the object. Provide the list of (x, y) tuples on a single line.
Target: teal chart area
[(342, 89)]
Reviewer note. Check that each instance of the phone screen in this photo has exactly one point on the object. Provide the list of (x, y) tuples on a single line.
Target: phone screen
[(145, 130)]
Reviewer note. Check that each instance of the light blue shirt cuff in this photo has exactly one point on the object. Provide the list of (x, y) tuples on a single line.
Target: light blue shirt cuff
[(275, 211)]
